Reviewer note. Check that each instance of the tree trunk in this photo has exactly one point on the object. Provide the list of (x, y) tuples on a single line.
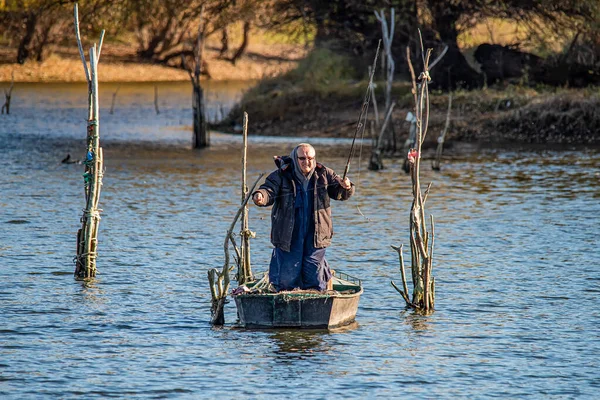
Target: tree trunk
[(24, 45), (43, 40), (445, 15), (244, 44), (453, 71), (224, 42), (200, 132)]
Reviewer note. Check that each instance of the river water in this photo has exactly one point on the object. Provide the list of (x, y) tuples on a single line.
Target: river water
[(516, 265)]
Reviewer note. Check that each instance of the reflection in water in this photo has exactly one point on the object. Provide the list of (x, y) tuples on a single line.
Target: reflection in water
[(90, 296), (297, 343), (301, 343), (419, 323)]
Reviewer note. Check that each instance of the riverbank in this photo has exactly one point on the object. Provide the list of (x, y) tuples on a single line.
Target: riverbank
[(319, 107), (513, 114)]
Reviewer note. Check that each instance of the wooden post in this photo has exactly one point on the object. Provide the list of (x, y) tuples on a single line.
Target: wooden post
[(245, 270), (8, 94), (114, 97), (87, 236), (156, 99)]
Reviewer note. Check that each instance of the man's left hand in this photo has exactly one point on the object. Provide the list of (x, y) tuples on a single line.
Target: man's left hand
[(346, 183)]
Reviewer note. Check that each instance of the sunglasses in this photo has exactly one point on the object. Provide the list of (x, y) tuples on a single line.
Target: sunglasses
[(306, 158)]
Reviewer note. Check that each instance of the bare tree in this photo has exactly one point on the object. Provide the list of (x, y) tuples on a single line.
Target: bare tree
[(421, 239), (161, 27), (200, 135), (34, 25)]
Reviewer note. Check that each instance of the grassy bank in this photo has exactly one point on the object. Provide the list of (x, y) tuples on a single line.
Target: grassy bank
[(322, 98)]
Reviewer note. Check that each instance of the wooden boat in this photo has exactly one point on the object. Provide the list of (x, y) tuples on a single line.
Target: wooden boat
[(301, 309)]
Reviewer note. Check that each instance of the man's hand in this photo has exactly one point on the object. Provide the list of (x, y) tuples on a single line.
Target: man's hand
[(259, 199), (346, 183)]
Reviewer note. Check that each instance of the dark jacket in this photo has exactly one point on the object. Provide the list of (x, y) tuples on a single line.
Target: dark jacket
[(280, 191)]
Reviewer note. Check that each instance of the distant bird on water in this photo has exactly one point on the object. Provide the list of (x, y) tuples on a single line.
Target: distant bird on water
[(67, 160)]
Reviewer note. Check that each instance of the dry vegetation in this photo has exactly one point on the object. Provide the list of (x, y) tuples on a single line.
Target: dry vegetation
[(494, 115), (306, 103), (263, 58)]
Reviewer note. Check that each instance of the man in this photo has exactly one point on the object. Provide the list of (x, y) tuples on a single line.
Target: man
[(300, 190)]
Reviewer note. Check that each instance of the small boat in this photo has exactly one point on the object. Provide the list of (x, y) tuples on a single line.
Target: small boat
[(300, 308)]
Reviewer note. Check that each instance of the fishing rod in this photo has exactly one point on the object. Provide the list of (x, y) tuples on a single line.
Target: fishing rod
[(363, 111)]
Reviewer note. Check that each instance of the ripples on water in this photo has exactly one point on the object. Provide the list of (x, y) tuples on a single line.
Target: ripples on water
[(515, 266)]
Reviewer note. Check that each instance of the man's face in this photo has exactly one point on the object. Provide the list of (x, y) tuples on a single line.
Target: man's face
[(306, 159)]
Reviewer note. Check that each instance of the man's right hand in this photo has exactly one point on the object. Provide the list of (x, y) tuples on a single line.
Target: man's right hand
[(259, 199)]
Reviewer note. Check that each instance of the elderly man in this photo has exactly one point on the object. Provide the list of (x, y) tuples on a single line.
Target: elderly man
[(300, 190)]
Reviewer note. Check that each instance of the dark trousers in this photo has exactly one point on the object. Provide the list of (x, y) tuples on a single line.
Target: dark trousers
[(304, 266)]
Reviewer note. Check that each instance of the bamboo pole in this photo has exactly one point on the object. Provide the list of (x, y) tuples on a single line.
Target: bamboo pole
[(87, 235)]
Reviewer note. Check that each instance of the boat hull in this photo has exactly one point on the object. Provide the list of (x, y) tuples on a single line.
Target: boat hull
[(297, 309)]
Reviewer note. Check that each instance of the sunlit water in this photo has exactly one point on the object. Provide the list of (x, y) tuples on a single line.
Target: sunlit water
[(516, 267)]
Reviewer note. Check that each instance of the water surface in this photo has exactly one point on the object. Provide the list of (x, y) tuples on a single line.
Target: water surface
[(516, 267)]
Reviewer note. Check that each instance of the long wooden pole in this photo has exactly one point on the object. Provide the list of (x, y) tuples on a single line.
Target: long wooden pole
[(246, 270)]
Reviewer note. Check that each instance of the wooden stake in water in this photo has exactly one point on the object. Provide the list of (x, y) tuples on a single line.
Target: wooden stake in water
[(245, 272), (8, 94), (87, 236)]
